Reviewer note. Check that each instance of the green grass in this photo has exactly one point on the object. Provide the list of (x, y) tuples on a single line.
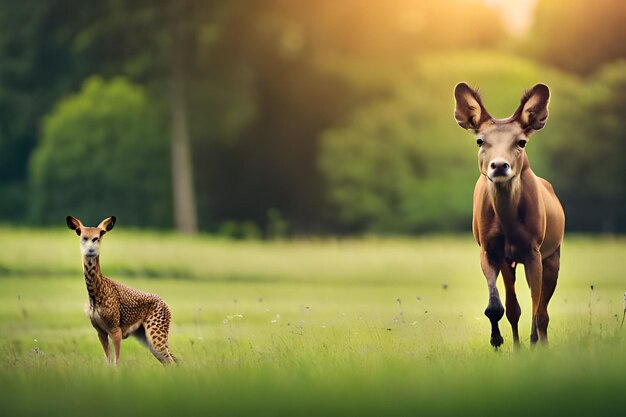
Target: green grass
[(363, 327)]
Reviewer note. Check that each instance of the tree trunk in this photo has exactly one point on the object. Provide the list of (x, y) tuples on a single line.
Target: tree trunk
[(182, 171)]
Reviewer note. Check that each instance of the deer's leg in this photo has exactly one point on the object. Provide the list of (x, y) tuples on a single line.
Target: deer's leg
[(116, 336), (157, 332), (513, 310), (550, 267), (104, 341), (494, 310), (534, 271)]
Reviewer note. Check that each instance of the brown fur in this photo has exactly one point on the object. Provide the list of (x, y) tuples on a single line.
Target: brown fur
[(115, 310), (517, 218)]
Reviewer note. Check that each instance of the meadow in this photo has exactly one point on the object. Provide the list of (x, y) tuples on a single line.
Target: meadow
[(363, 327)]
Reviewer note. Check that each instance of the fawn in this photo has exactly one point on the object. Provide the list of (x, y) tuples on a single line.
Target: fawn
[(517, 216), (115, 310)]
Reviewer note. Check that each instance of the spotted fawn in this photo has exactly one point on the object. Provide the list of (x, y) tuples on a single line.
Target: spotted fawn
[(115, 310)]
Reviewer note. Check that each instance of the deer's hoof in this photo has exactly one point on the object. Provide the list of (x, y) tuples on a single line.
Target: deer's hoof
[(496, 340)]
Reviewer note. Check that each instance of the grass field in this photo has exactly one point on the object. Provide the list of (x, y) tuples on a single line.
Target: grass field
[(366, 327)]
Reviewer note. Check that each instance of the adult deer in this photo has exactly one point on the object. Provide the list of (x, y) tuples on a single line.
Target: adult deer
[(517, 218)]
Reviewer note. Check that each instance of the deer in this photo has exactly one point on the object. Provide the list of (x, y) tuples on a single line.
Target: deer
[(115, 310), (517, 216)]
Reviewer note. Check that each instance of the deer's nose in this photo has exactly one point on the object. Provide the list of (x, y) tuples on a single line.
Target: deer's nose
[(499, 167)]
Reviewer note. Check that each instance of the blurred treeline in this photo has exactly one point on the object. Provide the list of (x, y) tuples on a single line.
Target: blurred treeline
[(276, 117)]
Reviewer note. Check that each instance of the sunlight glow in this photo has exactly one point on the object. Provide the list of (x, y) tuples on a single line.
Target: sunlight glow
[(517, 14)]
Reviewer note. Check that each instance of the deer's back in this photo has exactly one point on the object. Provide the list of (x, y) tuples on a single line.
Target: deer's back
[(122, 306)]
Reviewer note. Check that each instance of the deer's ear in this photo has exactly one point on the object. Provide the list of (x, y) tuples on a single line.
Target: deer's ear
[(469, 112), (107, 224), (532, 112), (74, 224)]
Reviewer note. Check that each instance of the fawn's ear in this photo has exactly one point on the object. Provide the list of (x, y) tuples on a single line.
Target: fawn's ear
[(532, 112), (74, 224), (469, 112), (107, 224)]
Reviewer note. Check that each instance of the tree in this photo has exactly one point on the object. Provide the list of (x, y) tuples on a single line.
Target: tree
[(172, 40), (35, 71), (402, 164), (149, 42), (311, 64), (587, 160), (102, 150), (185, 216)]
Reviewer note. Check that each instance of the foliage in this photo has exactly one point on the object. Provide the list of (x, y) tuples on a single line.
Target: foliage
[(403, 165), (239, 230), (30, 59), (249, 68), (588, 164), (277, 227), (285, 100), (102, 151)]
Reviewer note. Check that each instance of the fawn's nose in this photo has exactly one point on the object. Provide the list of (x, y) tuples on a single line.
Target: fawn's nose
[(499, 168)]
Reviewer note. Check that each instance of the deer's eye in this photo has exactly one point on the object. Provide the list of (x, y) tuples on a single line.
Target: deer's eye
[(480, 142), (521, 143), (84, 238), (95, 239)]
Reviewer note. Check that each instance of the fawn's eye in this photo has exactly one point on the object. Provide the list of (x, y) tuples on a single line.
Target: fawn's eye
[(95, 239), (480, 142), (84, 238), (521, 143)]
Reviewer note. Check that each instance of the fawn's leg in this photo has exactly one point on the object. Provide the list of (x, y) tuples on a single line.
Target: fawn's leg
[(104, 341), (157, 332), (116, 336)]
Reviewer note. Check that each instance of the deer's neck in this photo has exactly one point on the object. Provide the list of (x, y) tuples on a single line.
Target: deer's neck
[(507, 199), (93, 277)]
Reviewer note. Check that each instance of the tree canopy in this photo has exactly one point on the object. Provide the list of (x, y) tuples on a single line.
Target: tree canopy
[(101, 149), (298, 117)]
